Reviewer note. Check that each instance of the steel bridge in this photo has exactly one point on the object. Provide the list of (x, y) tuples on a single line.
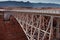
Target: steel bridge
[(37, 24)]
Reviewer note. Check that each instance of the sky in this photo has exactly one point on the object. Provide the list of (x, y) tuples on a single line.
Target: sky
[(38, 1)]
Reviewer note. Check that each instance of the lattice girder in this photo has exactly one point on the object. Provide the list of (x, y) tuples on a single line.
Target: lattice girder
[(35, 26)]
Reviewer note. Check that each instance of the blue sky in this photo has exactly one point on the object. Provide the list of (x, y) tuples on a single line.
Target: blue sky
[(36, 1)]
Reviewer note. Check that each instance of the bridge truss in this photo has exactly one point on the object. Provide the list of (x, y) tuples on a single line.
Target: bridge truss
[(38, 26)]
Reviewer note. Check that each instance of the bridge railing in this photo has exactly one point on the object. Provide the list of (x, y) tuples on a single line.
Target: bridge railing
[(39, 11), (48, 11)]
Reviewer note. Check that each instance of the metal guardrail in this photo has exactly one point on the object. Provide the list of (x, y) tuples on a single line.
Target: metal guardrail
[(35, 11)]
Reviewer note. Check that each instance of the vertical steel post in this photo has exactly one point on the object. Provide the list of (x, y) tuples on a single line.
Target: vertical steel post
[(39, 28), (51, 28)]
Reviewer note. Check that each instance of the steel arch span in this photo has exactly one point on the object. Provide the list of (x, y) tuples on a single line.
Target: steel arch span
[(37, 25)]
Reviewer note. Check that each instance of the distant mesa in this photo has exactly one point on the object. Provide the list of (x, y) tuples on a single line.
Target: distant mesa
[(27, 4)]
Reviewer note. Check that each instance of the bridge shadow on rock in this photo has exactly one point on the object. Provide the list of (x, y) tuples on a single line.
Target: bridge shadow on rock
[(11, 30)]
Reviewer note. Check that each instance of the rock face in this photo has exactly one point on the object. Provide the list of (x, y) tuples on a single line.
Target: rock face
[(11, 30)]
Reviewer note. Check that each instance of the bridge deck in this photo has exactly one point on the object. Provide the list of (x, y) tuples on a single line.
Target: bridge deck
[(31, 10)]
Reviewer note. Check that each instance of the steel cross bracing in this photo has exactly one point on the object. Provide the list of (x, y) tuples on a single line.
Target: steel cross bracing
[(35, 26)]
